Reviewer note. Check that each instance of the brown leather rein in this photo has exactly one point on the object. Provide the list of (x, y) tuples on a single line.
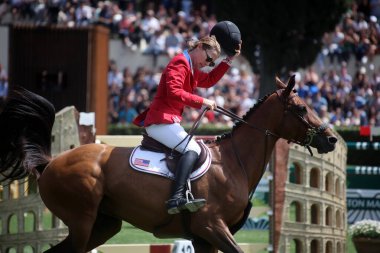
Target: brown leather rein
[(311, 130), (310, 134)]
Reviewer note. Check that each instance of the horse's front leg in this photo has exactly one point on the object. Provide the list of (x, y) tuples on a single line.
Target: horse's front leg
[(217, 233), (202, 246), (104, 228)]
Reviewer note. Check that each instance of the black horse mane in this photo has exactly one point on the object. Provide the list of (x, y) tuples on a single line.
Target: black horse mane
[(245, 118)]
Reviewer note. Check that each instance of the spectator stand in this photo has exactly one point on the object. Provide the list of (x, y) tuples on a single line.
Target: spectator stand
[(344, 87)]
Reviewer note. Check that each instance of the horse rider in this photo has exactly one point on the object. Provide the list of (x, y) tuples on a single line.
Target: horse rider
[(175, 91)]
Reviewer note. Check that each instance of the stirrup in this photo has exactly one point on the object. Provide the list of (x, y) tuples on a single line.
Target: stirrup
[(187, 202), (192, 204), (182, 204), (175, 206)]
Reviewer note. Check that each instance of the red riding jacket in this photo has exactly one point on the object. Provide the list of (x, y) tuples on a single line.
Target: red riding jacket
[(176, 89)]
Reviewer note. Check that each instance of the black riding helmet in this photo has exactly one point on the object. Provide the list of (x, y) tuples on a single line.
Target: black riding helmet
[(228, 36)]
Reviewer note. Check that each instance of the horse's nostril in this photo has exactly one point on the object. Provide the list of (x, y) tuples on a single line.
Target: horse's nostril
[(332, 139)]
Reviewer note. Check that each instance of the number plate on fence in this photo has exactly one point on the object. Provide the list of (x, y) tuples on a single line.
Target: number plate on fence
[(183, 246)]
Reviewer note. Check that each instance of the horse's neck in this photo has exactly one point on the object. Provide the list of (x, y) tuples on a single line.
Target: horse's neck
[(252, 146)]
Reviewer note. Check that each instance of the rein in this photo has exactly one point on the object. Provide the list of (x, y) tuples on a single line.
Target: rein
[(191, 132), (310, 133), (236, 117), (266, 132)]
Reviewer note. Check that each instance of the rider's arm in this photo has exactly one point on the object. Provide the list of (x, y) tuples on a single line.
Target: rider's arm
[(207, 80), (179, 84)]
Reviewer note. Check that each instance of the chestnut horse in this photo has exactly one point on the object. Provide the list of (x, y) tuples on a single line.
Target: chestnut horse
[(92, 188)]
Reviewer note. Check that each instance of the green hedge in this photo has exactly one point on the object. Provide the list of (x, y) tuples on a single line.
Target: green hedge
[(352, 134), (206, 129), (347, 133)]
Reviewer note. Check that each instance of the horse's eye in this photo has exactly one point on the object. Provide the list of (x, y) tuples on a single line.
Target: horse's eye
[(301, 110)]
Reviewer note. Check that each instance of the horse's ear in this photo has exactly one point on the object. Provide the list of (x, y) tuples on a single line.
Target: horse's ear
[(279, 83), (290, 86)]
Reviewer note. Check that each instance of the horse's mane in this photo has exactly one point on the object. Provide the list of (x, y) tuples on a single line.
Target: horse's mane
[(245, 117)]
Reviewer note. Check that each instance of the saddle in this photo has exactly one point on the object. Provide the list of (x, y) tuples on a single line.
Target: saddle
[(171, 156)]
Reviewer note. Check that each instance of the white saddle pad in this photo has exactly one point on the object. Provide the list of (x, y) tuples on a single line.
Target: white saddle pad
[(154, 163)]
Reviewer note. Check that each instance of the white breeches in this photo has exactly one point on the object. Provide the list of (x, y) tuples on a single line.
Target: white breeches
[(171, 135)]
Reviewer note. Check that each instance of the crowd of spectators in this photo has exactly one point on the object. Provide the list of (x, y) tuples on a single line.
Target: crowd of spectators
[(342, 94), (339, 97)]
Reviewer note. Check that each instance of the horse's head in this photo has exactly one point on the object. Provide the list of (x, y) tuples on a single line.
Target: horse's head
[(300, 124)]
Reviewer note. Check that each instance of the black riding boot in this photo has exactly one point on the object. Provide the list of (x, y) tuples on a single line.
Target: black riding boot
[(178, 201)]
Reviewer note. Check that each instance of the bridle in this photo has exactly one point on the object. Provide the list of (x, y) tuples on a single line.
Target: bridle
[(311, 131)]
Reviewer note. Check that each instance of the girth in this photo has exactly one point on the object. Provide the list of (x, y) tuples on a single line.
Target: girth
[(171, 156)]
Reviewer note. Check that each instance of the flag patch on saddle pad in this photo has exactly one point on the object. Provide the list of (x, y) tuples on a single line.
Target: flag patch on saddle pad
[(141, 162), (155, 163)]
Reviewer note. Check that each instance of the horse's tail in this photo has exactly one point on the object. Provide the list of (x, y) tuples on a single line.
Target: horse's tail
[(26, 122)]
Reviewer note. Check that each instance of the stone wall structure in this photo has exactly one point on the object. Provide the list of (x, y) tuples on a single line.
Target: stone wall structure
[(310, 200), (26, 225)]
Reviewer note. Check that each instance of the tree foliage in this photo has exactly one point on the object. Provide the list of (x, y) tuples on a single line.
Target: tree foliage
[(288, 33)]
